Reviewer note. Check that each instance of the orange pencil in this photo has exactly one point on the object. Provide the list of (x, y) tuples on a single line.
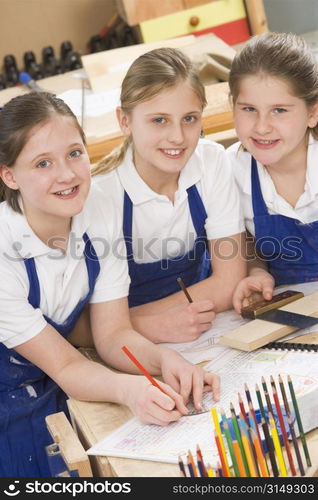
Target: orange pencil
[(142, 369), (238, 457), (200, 458), (225, 470), (259, 453), (191, 461)]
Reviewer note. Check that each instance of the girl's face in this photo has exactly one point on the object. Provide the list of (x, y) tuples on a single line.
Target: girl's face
[(271, 122), (52, 172), (165, 131)]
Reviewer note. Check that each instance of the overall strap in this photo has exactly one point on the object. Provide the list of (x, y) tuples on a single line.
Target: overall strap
[(259, 206), (197, 210)]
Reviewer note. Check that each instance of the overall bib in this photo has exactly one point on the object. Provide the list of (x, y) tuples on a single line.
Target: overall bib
[(289, 247), (155, 280), (28, 395)]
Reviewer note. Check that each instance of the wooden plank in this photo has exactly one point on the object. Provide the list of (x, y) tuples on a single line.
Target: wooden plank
[(257, 333), (71, 448), (256, 16)]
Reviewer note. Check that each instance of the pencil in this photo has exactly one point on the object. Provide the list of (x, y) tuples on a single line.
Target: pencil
[(184, 289), (181, 467), (218, 430), (239, 458), (230, 447), (254, 421), (299, 422), (221, 455), (260, 401), (296, 447), (191, 461), (248, 454), (142, 369), (277, 446), (239, 438), (200, 459), (259, 453), (210, 471), (242, 408), (268, 401), (283, 428), (270, 447)]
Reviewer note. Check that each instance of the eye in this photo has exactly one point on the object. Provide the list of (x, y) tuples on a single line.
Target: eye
[(159, 120), (190, 118), (43, 164), (248, 109), (280, 110), (76, 153)]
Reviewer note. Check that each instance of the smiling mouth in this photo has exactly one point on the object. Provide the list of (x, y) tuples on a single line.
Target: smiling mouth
[(173, 152), (265, 142), (66, 192)]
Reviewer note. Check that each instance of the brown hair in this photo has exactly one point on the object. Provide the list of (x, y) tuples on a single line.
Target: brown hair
[(282, 55), (148, 75), (17, 118)]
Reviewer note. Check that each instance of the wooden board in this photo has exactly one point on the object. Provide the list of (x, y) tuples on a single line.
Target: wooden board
[(258, 333)]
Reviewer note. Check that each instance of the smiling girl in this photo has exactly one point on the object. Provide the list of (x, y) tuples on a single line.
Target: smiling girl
[(274, 87), (178, 201), (58, 237)]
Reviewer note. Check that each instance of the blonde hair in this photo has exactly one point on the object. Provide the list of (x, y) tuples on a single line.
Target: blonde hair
[(149, 75), (282, 55)]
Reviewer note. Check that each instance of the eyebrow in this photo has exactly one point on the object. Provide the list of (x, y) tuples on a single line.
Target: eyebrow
[(272, 105), (169, 114)]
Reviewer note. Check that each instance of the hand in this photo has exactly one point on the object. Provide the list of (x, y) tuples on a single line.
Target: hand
[(150, 404), (185, 322), (186, 378), (245, 293)]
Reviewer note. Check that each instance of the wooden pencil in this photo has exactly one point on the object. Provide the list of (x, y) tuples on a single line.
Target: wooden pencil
[(283, 429), (242, 408), (221, 455), (200, 459), (254, 419), (277, 446), (248, 453), (210, 471), (191, 461), (299, 422), (142, 369), (231, 449), (260, 402), (181, 467), (239, 458), (296, 447), (219, 433), (239, 438), (268, 401), (270, 447), (259, 453), (184, 289)]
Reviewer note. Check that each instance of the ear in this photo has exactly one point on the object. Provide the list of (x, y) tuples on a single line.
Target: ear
[(7, 177), (123, 120), (313, 116)]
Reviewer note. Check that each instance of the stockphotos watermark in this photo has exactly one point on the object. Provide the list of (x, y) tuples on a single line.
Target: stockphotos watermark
[(269, 248), (72, 488)]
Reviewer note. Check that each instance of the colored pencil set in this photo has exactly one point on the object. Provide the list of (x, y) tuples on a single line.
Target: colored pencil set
[(256, 447)]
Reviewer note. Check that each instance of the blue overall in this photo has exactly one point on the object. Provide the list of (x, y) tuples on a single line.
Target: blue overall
[(155, 280), (289, 247), (28, 395)]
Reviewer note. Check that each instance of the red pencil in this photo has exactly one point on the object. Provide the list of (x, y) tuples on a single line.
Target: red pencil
[(142, 369), (283, 428), (223, 464), (243, 409)]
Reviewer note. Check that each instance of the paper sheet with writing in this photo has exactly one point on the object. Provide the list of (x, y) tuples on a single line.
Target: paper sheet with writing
[(164, 444)]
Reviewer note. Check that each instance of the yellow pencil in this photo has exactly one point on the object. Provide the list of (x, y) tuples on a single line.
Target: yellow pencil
[(219, 433), (277, 446), (210, 471), (248, 454)]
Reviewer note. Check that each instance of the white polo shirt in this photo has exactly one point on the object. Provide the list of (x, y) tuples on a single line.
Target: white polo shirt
[(306, 209), (162, 228), (63, 277)]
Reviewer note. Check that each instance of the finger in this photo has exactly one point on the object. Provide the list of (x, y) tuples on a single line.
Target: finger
[(201, 306), (206, 317), (154, 415), (197, 389), (268, 291)]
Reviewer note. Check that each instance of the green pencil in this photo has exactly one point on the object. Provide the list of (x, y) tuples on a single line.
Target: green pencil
[(299, 422), (239, 439), (229, 443), (260, 402)]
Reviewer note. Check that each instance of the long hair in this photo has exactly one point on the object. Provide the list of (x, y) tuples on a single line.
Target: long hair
[(17, 118), (282, 55), (150, 74)]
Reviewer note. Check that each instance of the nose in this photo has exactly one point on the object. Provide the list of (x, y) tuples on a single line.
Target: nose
[(65, 172), (263, 124), (176, 134)]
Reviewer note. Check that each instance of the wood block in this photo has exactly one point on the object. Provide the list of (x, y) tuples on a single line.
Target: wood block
[(70, 446), (257, 333)]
